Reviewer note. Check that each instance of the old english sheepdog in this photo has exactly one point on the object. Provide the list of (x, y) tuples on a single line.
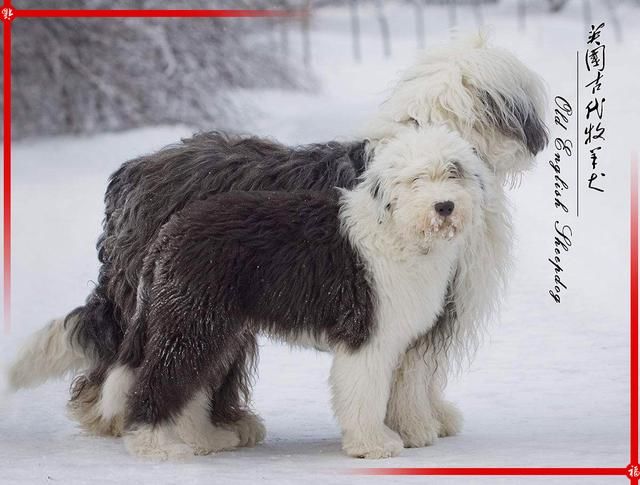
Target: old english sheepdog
[(362, 273), (496, 104)]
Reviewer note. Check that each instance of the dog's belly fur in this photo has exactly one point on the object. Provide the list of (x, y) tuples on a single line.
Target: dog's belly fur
[(305, 340)]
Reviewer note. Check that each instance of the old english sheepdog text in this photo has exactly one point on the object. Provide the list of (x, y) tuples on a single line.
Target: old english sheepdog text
[(562, 232)]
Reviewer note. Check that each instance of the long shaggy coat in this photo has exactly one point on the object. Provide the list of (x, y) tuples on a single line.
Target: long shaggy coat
[(144, 193)]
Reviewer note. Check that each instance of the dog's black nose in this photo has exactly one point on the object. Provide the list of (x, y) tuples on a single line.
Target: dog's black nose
[(444, 208)]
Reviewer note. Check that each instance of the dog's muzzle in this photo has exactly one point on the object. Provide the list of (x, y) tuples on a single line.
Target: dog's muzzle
[(444, 223), (444, 209)]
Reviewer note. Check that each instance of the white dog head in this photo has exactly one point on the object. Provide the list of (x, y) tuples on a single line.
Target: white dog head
[(426, 187), (485, 93)]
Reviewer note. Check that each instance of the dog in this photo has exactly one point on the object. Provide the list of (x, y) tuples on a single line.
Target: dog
[(485, 93), (501, 115), (362, 272)]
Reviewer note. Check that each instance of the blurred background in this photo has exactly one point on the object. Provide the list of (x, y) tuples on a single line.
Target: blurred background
[(77, 76)]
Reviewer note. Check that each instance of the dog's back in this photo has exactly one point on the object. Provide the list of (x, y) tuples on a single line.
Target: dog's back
[(144, 193)]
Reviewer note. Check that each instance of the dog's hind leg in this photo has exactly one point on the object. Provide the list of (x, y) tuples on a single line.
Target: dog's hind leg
[(218, 417), (230, 403), (194, 427), (191, 432), (169, 405), (98, 401)]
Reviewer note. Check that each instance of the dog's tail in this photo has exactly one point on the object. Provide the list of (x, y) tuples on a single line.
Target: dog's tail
[(51, 352)]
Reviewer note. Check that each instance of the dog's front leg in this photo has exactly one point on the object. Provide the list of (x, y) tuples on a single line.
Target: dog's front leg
[(417, 410), (448, 416), (409, 411), (361, 382)]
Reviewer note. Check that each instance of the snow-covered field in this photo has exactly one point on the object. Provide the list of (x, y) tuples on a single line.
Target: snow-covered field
[(549, 386)]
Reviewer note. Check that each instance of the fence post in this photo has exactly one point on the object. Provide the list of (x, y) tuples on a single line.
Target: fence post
[(419, 13), (453, 14), (477, 10), (586, 16), (522, 14), (355, 30), (384, 28), (615, 20), (284, 37), (306, 35)]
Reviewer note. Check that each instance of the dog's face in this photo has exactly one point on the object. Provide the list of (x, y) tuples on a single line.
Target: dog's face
[(486, 94), (426, 184)]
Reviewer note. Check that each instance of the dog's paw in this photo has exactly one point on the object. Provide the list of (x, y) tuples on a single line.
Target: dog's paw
[(250, 429), (449, 419), (156, 443), (208, 439), (420, 435), (418, 426), (383, 443)]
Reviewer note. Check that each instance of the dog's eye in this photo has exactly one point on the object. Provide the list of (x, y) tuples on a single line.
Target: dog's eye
[(455, 171)]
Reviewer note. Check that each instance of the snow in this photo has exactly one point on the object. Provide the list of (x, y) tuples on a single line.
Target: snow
[(550, 384)]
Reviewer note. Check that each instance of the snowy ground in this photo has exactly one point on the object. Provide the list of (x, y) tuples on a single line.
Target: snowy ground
[(549, 386)]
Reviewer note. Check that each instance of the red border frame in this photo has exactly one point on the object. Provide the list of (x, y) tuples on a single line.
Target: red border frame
[(632, 471)]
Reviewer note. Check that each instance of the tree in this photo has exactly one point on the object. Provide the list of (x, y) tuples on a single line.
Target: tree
[(87, 75)]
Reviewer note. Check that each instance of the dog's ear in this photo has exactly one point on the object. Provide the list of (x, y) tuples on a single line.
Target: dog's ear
[(381, 202), (359, 156), (375, 189), (515, 118), (444, 98)]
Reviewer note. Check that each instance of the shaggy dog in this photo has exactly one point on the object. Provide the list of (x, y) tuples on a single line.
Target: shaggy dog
[(486, 94), (362, 273)]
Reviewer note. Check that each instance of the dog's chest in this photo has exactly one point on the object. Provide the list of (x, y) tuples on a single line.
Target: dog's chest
[(411, 293)]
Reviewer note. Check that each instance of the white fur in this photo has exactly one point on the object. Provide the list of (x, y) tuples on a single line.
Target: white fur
[(362, 380), (447, 415), (445, 86), (157, 443), (409, 410), (196, 429), (250, 429), (115, 391), (416, 408), (411, 260), (192, 427), (49, 353), (191, 433)]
